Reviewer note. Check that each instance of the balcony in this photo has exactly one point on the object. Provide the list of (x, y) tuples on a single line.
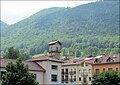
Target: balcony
[(84, 83), (84, 74), (66, 73), (72, 72), (71, 80), (66, 80)]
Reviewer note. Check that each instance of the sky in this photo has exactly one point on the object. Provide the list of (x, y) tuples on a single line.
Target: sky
[(15, 11)]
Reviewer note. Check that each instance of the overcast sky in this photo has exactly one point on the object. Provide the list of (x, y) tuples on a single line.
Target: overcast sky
[(14, 11)]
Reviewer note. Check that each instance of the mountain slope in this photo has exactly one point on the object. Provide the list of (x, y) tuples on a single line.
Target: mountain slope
[(3, 25), (84, 27)]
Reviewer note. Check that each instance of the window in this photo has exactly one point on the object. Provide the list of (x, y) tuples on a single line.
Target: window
[(54, 78), (57, 49), (66, 79), (109, 69), (55, 67), (74, 71), (80, 71), (89, 78), (62, 71), (116, 69), (82, 64), (51, 48), (84, 72), (86, 64), (84, 80), (79, 78), (103, 69), (74, 78), (66, 71), (90, 71), (97, 71), (62, 80)]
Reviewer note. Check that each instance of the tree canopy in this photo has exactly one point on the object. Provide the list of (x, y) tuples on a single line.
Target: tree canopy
[(13, 53), (17, 74), (107, 78)]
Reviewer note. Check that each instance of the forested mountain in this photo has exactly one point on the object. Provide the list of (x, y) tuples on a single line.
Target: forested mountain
[(90, 29), (3, 25)]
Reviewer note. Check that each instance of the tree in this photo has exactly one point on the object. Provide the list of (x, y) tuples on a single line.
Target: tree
[(107, 78), (17, 74), (12, 53)]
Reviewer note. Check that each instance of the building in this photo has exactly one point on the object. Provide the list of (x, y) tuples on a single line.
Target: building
[(46, 68), (85, 72), (106, 63), (69, 72), (77, 71), (81, 70)]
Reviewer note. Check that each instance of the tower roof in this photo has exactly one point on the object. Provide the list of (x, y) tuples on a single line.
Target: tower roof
[(54, 42)]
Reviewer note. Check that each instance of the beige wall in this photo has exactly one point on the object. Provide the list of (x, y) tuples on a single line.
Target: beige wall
[(78, 74), (47, 76), (88, 69), (69, 67)]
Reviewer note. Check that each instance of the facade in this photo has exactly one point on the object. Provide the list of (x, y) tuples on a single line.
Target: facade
[(33, 68), (80, 71), (69, 72), (46, 68), (77, 71), (106, 63)]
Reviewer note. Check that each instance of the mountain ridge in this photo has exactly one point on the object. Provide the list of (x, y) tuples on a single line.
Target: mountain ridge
[(72, 26)]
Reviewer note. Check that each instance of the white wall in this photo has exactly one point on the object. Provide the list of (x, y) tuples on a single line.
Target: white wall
[(47, 76)]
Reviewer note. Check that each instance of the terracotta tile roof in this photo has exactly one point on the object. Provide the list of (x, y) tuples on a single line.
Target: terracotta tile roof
[(44, 58), (31, 65), (90, 61), (94, 60), (54, 42), (72, 62), (115, 58)]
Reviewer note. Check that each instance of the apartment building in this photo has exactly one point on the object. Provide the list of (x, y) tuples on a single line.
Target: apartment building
[(77, 71), (106, 63), (69, 72), (46, 68), (85, 72)]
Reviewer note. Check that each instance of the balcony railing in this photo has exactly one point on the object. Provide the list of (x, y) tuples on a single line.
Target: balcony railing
[(64, 73), (66, 80), (71, 80), (84, 74), (84, 83), (72, 72)]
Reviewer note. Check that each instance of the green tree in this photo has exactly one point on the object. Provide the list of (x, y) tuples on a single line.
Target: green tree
[(17, 74), (12, 53), (107, 78)]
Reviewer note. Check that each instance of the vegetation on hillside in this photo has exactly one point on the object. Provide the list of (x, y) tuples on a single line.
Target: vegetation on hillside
[(90, 29)]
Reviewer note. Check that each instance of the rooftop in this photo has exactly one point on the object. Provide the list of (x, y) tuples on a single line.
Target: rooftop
[(32, 66)]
